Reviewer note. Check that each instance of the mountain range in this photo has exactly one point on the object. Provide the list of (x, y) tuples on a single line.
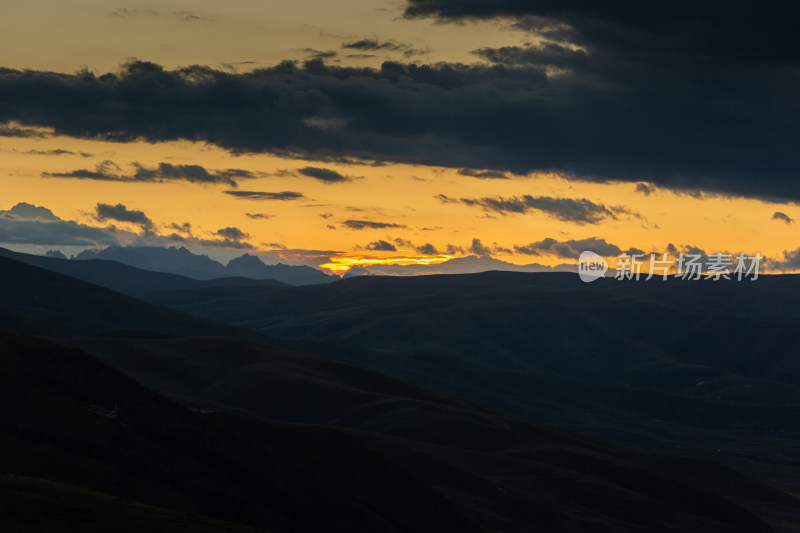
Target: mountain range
[(183, 262), (710, 367), (181, 422)]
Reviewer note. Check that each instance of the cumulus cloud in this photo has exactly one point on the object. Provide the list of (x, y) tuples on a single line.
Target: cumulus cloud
[(381, 246), (232, 233), (427, 249), (424, 249), (26, 211), (790, 261), (120, 213), (572, 248), (228, 237), (645, 188), (479, 249), (29, 224), (783, 217)]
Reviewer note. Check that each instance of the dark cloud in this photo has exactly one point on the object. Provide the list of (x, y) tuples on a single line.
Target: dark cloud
[(182, 228), (231, 237), (381, 246), (479, 249), (29, 224), (259, 216), (120, 213), (320, 54), (57, 152), (374, 45), (427, 249), (26, 211), (696, 81), (452, 249), (570, 249), (578, 210), (645, 188), (259, 195), (185, 16), (323, 174), (10, 130), (783, 217), (645, 104), (191, 173), (484, 174), (58, 233), (789, 262), (232, 233), (368, 224), (164, 172)]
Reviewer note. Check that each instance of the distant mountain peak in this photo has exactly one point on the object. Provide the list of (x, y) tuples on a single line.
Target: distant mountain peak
[(245, 260), (56, 254), (184, 262)]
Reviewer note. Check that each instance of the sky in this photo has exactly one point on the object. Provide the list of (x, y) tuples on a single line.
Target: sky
[(406, 133)]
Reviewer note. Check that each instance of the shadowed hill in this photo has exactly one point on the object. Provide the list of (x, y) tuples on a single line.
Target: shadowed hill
[(709, 367), (183, 262), (523, 474), (69, 418), (32, 505), (127, 279), (504, 473), (42, 302)]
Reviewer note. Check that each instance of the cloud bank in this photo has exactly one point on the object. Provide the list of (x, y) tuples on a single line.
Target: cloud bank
[(672, 98)]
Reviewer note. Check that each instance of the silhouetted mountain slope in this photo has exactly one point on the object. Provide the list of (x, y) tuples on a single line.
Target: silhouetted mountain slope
[(250, 266), (127, 279), (710, 367), (173, 260), (71, 419), (42, 302), (505, 472), (183, 262), (32, 505)]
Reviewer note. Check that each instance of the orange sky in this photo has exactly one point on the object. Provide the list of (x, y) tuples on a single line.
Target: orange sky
[(65, 36), (404, 195)]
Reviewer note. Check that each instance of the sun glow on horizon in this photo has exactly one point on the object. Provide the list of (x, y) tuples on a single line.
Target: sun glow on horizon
[(344, 263)]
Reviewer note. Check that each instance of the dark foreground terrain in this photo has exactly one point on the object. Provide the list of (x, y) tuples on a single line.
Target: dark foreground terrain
[(138, 416)]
